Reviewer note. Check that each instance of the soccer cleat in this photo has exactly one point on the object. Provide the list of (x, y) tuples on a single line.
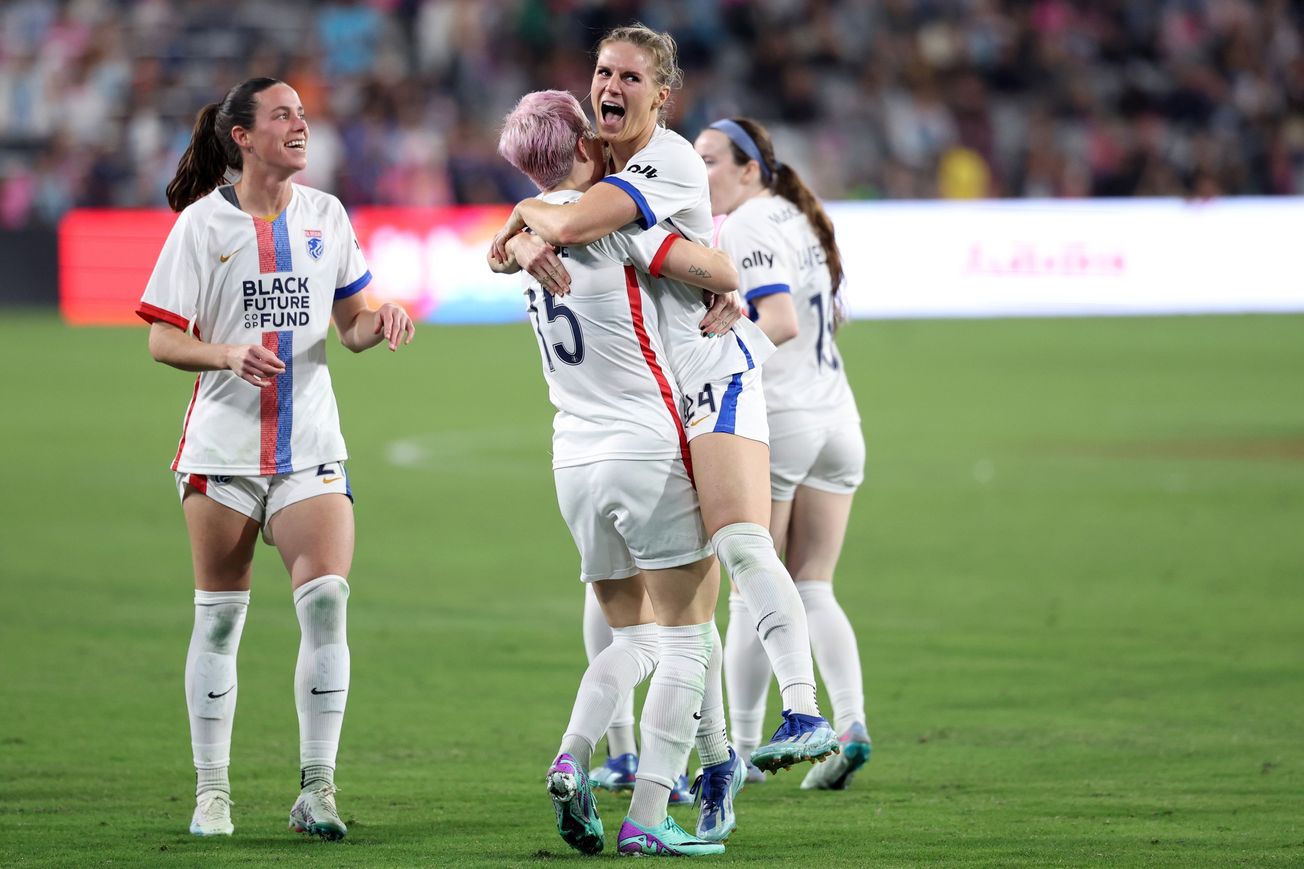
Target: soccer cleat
[(577, 810), (836, 773), (212, 815), (716, 788), (754, 775), (617, 774), (667, 839), (681, 794), (800, 737), (314, 813)]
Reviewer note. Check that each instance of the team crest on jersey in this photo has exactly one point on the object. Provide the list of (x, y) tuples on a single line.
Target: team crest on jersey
[(316, 247)]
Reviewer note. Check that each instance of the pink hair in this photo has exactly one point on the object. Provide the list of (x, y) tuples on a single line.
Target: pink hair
[(539, 136)]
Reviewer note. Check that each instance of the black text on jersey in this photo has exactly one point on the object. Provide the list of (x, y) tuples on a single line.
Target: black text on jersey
[(636, 169), (758, 258)]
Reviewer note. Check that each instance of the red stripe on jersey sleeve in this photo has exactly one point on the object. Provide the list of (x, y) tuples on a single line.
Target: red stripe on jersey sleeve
[(650, 356), (152, 314), (662, 252)]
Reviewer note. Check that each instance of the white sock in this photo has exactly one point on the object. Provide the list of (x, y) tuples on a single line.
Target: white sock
[(211, 684), (676, 693), (321, 676), (597, 636), (611, 675), (747, 552), (712, 738), (834, 643), (747, 677)]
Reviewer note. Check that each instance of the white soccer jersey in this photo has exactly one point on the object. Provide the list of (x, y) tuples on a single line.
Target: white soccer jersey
[(667, 181), (601, 353), (776, 251), (229, 277)]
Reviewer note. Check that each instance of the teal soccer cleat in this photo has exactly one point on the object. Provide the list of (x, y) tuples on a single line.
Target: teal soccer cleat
[(577, 811), (667, 839), (836, 772), (800, 737)]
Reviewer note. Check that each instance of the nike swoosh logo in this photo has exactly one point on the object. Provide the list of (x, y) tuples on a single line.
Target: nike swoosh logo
[(329, 479), (212, 696), (696, 421), (228, 256), (332, 691), (697, 715)]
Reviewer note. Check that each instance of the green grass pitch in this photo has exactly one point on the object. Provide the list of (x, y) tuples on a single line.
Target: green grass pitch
[(1076, 570)]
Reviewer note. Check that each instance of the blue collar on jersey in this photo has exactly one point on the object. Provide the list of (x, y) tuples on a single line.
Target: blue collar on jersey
[(745, 143)]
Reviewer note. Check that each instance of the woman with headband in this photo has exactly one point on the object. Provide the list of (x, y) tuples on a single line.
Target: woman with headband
[(791, 269)]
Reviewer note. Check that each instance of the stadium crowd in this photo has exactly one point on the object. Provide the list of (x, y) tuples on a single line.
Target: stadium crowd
[(893, 99)]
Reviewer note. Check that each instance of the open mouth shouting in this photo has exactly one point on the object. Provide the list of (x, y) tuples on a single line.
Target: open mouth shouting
[(613, 115)]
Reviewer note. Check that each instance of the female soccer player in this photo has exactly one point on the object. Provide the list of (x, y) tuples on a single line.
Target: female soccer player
[(654, 177), (791, 272), (620, 462), (242, 293)]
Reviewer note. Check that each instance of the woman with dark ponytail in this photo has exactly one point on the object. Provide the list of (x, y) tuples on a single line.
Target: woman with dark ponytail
[(248, 281), (791, 270)]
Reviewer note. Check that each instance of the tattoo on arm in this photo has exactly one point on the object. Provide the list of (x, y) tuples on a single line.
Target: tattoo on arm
[(696, 272)]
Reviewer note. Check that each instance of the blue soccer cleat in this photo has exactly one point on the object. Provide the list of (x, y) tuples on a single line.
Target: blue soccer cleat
[(716, 788), (836, 773), (617, 774), (681, 794), (577, 811), (800, 737), (667, 839)]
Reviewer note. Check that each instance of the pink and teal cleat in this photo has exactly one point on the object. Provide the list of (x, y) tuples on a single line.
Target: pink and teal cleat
[(836, 773), (577, 811), (667, 839)]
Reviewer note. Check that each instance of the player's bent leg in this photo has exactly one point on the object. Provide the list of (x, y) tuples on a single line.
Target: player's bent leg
[(613, 674)]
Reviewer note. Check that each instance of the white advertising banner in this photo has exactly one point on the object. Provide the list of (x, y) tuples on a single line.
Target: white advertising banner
[(1070, 258)]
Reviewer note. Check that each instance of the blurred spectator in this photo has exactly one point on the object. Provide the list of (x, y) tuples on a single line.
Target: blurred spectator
[(896, 99)]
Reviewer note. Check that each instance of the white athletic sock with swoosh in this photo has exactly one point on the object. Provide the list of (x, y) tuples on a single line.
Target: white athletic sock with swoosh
[(321, 677), (211, 684), (747, 552), (712, 737), (668, 723)]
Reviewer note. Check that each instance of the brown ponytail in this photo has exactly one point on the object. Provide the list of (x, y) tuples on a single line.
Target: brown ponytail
[(784, 180), (212, 151)]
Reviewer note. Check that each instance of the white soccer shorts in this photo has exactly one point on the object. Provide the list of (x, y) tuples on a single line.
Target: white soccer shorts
[(627, 515), (262, 497), (827, 459), (732, 405)]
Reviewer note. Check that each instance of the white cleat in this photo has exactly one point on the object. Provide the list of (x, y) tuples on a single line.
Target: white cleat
[(314, 813), (212, 815), (836, 772)]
